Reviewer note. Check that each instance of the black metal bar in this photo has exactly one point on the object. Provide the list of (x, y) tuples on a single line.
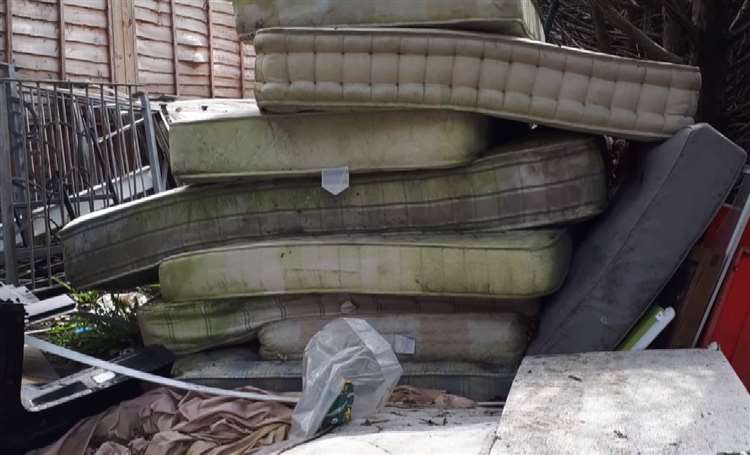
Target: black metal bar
[(6, 190), (550, 21)]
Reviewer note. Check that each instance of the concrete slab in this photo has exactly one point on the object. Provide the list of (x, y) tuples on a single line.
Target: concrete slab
[(650, 402)]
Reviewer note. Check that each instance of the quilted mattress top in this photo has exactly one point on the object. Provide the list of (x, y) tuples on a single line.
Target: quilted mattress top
[(508, 17), (301, 69)]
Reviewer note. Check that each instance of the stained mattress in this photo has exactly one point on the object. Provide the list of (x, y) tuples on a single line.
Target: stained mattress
[(633, 250), (512, 78), (254, 145), (187, 327), (507, 17), (535, 182), (512, 265), (235, 367), (498, 339)]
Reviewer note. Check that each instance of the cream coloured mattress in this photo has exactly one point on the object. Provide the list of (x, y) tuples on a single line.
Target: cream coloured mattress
[(187, 327), (512, 265), (543, 180), (507, 17), (498, 339), (254, 145), (512, 78)]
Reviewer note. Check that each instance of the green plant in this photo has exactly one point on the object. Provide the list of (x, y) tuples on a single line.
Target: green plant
[(103, 324)]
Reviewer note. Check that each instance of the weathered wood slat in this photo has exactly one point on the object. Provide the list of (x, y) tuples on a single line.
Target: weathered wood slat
[(85, 35), (192, 25), (34, 9), (175, 59), (87, 52), (34, 28), (86, 16), (61, 30), (154, 32), (90, 4), (36, 46)]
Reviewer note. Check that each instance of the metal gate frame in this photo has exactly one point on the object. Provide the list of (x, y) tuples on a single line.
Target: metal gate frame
[(68, 149)]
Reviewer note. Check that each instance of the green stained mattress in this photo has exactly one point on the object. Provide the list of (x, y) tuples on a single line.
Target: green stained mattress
[(187, 327), (507, 17), (498, 339), (546, 179), (511, 265), (303, 69), (255, 145)]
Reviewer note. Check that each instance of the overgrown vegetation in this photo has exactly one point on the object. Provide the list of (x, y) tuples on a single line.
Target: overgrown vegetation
[(103, 325)]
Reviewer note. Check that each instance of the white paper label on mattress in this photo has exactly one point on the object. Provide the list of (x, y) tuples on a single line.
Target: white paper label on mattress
[(335, 180), (403, 344)]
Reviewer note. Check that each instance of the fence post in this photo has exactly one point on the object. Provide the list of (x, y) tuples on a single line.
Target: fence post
[(6, 188), (153, 153)]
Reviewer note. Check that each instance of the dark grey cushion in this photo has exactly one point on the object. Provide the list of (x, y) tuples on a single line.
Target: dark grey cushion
[(635, 248)]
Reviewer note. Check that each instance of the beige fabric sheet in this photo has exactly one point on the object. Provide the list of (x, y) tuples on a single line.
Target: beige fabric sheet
[(512, 78), (254, 145), (507, 17), (189, 327), (166, 422), (512, 265), (498, 339)]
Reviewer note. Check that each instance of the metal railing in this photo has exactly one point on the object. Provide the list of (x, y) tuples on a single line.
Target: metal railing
[(68, 149)]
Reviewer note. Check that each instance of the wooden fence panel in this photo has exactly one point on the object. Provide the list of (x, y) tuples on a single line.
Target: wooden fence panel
[(187, 48)]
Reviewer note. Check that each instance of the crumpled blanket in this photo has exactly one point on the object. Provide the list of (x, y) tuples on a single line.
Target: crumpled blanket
[(413, 397), (165, 422)]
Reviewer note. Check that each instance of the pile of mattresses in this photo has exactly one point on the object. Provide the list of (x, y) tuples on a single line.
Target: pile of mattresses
[(417, 164)]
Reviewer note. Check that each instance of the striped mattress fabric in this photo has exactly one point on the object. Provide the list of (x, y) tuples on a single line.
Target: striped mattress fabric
[(345, 68), (188, 327), (510, 265), (544, 180), (498, 339), (231, 368), (507, 17)]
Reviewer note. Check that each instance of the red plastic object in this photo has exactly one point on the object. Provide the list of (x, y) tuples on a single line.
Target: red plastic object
[(729, 325)]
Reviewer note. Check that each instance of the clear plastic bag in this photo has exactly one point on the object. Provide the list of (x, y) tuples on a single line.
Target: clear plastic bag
[(347, 357)]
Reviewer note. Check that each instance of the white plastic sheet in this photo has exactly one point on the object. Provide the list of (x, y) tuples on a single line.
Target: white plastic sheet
[(344, 350)]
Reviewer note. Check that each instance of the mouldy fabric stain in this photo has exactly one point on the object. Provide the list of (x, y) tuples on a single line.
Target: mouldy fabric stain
[(512, 78), (497, 338), (506, 17), (255, 145), (512, 265), (186, 327), (547, 179), (634, 249)]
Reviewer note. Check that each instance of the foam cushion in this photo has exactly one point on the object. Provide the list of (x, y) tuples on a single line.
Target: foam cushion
[(632, 251), (513, 78)]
